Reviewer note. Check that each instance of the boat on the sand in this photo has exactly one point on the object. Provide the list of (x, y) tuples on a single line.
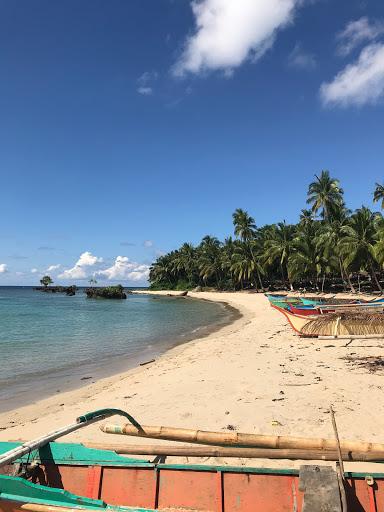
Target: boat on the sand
[(353, 322), (45, 476)]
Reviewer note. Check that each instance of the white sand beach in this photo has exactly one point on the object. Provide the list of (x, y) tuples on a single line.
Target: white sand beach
[(253, 375)]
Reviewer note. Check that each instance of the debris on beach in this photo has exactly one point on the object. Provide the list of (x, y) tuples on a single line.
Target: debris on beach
[(373, 364)]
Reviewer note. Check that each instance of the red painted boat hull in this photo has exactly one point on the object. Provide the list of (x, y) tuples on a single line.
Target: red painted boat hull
[(196, 489)]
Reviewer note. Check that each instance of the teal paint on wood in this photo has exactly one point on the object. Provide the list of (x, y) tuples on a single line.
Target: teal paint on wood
[(74, 453), (14, 489)]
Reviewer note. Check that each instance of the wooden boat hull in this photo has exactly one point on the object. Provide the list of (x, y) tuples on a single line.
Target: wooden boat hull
[(73, 477), (307, 311), (333, 325), (311, 302)]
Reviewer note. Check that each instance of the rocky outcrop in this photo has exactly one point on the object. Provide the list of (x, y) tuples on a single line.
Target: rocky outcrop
[(68, 290), (108, 292)]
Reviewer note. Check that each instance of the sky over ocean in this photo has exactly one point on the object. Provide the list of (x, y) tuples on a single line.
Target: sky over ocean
[(127, 128)]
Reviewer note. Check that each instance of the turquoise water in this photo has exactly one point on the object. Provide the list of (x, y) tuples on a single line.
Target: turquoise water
[(51, 342)]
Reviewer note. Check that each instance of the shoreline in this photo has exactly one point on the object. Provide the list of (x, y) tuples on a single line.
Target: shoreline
[(75, 377), (26, 413), (253, 375)]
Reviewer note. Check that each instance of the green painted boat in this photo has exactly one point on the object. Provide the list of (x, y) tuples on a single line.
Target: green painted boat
[(70, 477), (311, 302)]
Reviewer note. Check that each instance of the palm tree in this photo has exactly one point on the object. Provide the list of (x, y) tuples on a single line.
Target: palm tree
[(278, 247), (336, 245), (325, 194), (378, 194), (244, 224), (358, 244), (329, 240), (227, 255), (185, 262), (306, 217), (245, 230), (209, 262), (304, 257), (45, 281)]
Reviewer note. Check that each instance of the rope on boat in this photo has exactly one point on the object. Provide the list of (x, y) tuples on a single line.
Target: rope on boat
[(82, 421)]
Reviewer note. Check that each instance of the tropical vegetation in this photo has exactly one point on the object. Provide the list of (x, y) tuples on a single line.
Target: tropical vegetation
[(46, 281), (107, 292), (330, 248)]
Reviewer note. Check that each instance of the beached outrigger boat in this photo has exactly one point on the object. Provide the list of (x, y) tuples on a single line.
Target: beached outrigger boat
[(360, 322), (61, 477)]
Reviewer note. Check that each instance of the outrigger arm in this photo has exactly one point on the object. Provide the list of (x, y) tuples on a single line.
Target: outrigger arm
[(82, 421)]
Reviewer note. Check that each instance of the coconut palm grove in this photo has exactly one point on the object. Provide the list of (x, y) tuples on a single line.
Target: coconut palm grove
[(330, 249)]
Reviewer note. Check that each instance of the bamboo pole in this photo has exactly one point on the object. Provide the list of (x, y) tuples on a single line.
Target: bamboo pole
[(230, 452), (39, 507), (239, 439), (351, 337), (362, 306), (340, 463)]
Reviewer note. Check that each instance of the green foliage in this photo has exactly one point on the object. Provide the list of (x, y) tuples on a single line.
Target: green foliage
[(378, 194), (329, 251), (46, 281), (107, 292)]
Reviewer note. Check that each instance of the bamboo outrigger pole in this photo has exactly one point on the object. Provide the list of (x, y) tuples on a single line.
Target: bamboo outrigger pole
[(239, 439), (81, 421), (230, 451)]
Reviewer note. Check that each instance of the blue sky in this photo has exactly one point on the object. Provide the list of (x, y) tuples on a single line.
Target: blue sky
[(127, 128)]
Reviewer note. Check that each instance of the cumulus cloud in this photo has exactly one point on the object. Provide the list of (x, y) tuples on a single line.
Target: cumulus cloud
[(34, 270), (148, 243), (126, 270), (144, 82), (230, 31), (300, 59), (357, 32), (359, 83), (52, 268), (3, 268), (82, 267)]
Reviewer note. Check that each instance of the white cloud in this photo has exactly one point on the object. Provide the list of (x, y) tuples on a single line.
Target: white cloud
[(144, 82), (145, 91), (359, 83), (126, 270), (81, 269), (34, 270), (357, 32), (300, 59), (230, 31), (3, 268), (52, 268), (148, 243)]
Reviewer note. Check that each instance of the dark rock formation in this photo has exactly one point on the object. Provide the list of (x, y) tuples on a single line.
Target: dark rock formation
[(68, 290), (109, 292)]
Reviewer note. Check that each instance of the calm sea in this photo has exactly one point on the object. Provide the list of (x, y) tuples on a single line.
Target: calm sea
[(51, 343)]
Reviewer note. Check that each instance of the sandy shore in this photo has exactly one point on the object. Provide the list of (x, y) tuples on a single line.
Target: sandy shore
[(254, 375)]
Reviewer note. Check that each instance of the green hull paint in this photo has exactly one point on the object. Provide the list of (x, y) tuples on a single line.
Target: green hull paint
[(74, 453)]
